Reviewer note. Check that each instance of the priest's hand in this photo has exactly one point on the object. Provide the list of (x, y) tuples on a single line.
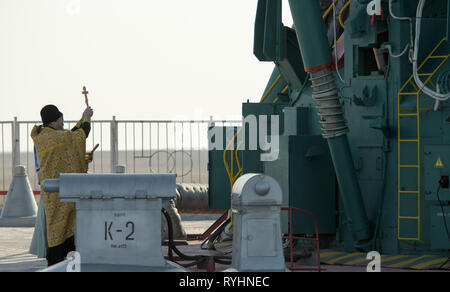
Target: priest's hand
[(88, 112)]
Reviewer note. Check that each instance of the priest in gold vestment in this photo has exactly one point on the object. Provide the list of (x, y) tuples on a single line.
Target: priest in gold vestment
[(60, 151)]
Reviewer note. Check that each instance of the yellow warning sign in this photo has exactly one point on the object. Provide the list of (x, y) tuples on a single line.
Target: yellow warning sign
[(439, 163)]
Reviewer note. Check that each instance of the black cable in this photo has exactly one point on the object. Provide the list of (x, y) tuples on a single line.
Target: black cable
[(215, 234), (171, 242), (445, 221), (443, 213), (197, 259)]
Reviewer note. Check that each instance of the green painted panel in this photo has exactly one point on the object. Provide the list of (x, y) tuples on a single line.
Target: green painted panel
[(436, 163), (219, 184), (306, 175), (440, 238)]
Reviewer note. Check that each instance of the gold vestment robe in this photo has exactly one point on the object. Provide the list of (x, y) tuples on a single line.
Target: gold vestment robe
[(59, 151)]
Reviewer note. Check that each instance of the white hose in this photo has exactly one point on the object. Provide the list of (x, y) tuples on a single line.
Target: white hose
[(436, 102), (389, 47), (433, 94), (335, 44), (410, 33), (397, 17)]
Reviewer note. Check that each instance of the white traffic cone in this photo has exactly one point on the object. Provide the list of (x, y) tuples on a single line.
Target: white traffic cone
[(20, 208)]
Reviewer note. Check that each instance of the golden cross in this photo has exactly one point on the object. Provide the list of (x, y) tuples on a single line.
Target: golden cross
[(85, 92)]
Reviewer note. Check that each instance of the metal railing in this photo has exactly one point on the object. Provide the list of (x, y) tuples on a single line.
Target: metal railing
[(142, 146)]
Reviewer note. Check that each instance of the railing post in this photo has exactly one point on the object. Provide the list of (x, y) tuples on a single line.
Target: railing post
[(114, 145), (210, 123), (15, 134)]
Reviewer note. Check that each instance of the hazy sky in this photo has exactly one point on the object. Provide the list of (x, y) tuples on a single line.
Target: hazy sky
[(140, 59)]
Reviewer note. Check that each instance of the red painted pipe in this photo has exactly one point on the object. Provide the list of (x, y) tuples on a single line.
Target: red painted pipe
[(4, 193)]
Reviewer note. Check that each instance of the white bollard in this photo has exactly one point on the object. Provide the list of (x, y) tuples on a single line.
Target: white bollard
[(257, 238)]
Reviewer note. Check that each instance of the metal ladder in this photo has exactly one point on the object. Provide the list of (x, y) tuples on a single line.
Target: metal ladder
[(413, 113)]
